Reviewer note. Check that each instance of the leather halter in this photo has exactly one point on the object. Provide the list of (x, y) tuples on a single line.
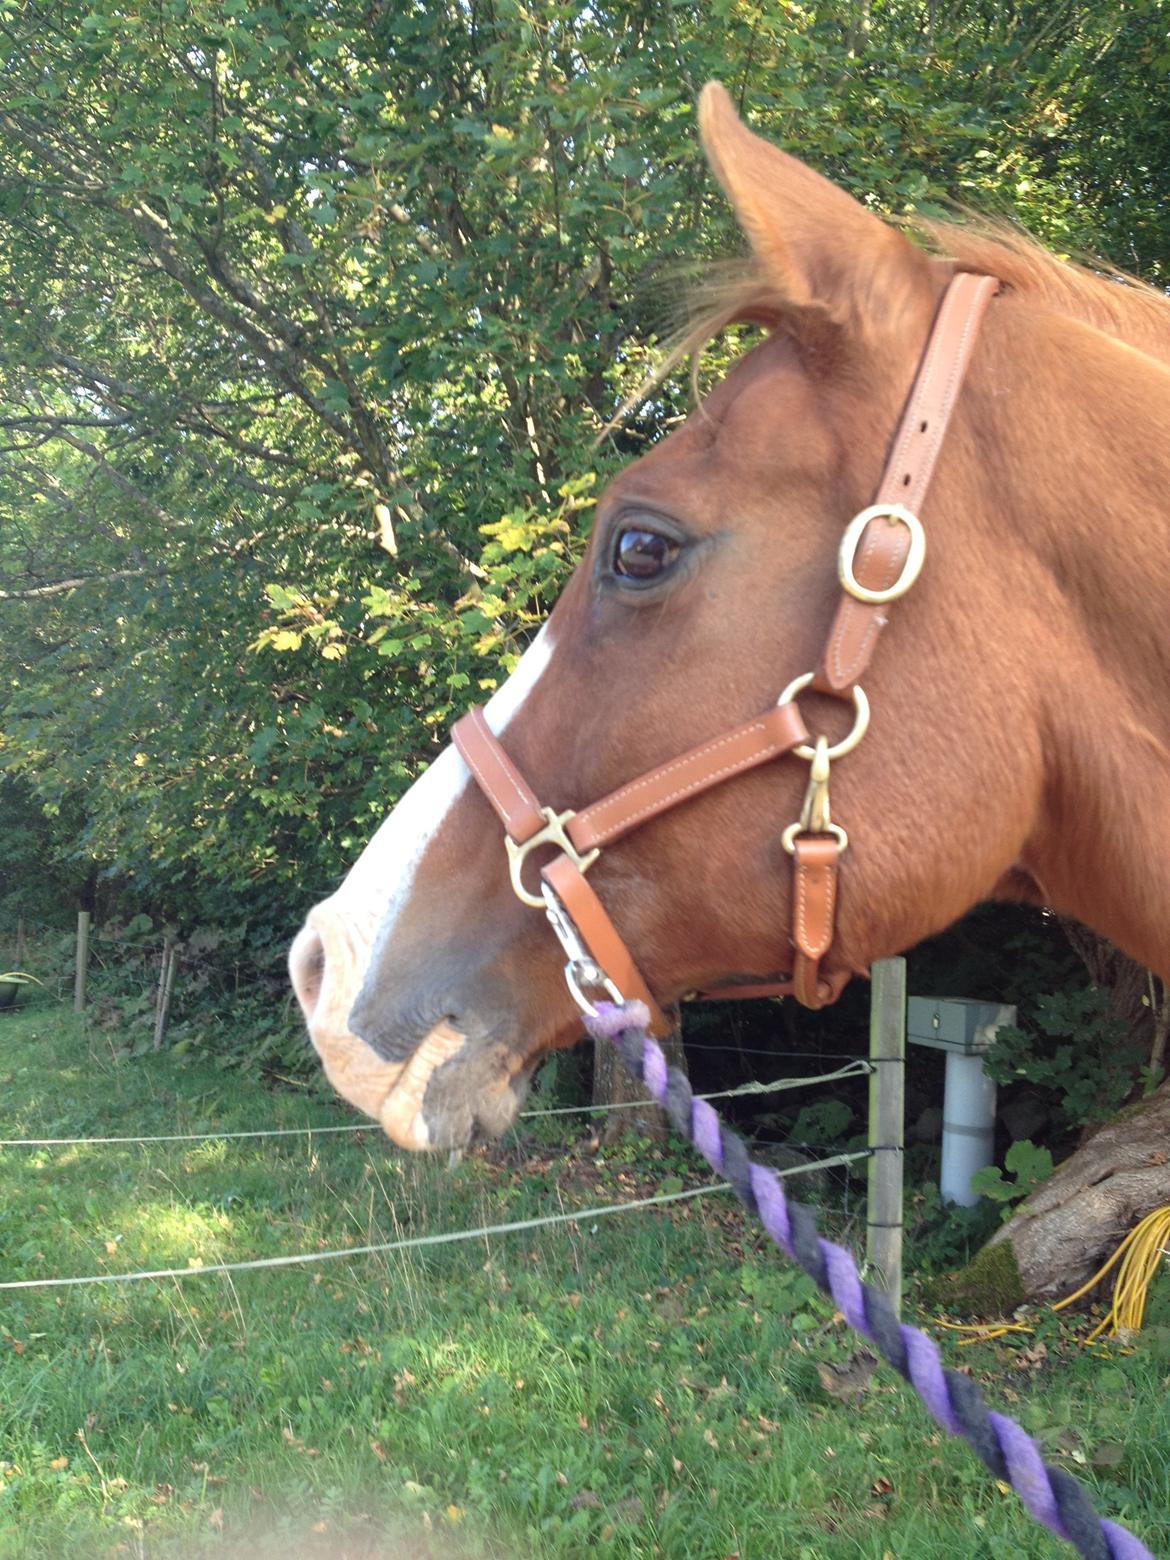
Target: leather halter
[(880, 555)]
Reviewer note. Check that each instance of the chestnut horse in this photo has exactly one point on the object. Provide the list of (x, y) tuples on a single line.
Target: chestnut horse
[(1020, 740)]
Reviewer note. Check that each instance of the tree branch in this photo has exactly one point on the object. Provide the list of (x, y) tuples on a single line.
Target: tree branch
[(58, 587)]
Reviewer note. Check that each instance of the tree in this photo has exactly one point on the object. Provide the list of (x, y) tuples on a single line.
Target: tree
[(1120, 1168), (1060, 1235), (313, 318)]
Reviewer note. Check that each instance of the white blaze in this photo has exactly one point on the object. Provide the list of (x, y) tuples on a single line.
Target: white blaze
[(504, 703), (330, 958), (380, 880)]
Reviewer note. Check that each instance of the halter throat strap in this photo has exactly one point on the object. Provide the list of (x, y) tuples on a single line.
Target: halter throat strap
[(879, 559)]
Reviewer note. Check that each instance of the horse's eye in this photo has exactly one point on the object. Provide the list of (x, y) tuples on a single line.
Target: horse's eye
[(642, 555)]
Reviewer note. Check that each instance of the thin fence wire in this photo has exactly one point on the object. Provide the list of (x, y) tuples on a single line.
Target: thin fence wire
[(858, 1067), (187, 1137), (582, 1216), (731, 1049), (854, 1067)]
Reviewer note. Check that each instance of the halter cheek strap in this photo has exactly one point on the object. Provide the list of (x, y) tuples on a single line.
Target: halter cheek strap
[(879, 559)]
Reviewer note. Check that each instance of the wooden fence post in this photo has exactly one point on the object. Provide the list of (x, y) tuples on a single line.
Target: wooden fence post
[(81, 972), (887, 1089), (166, 986)]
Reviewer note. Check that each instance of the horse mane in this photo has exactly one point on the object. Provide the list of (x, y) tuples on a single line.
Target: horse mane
[(729, 293), (1090, 290)]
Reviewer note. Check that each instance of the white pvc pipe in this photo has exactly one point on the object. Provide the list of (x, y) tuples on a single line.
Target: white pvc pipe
[(968, 1141)]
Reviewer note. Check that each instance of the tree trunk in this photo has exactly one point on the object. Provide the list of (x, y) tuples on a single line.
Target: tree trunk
[(1061, 1235), (613, 1085), (1131, 988)]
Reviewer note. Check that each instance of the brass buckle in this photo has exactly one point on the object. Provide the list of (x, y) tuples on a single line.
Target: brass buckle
[(911, 565), (553, 833)]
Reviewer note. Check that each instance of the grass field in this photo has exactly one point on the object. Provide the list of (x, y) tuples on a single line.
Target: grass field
[(638, 1385)]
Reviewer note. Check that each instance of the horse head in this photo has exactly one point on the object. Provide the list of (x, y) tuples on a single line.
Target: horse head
[(431, 990)]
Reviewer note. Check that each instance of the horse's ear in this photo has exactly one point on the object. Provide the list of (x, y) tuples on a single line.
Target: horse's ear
[(822, 251)]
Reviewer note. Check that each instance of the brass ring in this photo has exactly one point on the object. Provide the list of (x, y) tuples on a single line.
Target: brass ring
[(788, 838), (860, 719), (911, 564)]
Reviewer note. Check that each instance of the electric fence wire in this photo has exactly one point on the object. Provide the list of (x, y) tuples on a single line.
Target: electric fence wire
[(581, 1217), (858, 1068)]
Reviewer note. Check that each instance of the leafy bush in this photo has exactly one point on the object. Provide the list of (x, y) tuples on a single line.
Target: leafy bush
[(942, 1236), (1069, 1042), (1030, 1165)]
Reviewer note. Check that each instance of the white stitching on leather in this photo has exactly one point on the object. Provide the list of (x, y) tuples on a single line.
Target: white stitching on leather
[(496, 801), (834, 656), (811, 877), (615, 957), (701, 783)]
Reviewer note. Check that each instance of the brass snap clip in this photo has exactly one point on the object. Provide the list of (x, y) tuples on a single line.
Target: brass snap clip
[(581, 969), (814, 815), (553, 833)]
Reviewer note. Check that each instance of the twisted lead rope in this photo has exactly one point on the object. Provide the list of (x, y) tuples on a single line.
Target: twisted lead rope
[(1052, 1496)]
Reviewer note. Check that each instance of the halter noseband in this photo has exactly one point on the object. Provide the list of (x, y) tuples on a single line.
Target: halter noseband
[(879, 558)]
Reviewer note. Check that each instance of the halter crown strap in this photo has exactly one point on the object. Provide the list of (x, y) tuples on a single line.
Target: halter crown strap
[(881, 554)]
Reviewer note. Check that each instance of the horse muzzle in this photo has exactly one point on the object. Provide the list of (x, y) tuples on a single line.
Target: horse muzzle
[(429, 1084)]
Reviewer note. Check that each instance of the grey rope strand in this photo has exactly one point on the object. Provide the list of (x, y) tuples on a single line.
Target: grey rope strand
[(1052, 1496)]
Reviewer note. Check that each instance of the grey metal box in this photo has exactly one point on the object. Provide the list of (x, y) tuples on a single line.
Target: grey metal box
[(956, 1024)]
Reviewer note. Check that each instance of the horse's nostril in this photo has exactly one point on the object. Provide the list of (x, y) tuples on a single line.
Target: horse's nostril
[(306, 967)]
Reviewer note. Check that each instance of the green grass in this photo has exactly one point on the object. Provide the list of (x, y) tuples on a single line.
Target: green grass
[(643, 1385)]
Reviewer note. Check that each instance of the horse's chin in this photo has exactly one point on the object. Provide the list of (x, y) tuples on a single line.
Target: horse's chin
[(455, 1090), (452, 1091)]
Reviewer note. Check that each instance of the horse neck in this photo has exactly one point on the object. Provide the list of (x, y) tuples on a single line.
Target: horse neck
[(1088, 464)]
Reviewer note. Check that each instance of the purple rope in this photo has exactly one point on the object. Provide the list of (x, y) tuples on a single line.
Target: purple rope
[(1052, 1496)]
